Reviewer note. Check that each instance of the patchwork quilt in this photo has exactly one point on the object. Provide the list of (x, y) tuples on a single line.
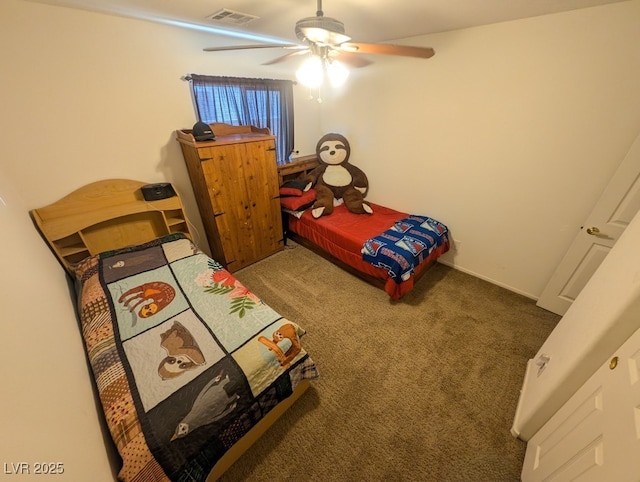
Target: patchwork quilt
[(185, 358), (401, 248)]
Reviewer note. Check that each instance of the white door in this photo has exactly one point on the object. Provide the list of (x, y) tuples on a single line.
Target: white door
[(595, 436), (613, 212)]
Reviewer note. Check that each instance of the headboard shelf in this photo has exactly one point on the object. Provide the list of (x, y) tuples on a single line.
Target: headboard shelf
[(72, 245), (106, 215), (298, 168)]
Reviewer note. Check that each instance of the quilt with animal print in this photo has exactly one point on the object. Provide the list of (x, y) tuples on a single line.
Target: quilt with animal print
[(185, 358)]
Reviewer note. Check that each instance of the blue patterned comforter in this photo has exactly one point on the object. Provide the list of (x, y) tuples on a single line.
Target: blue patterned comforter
[(401, 248)]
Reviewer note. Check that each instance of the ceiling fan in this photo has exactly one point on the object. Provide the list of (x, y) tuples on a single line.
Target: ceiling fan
[(325, 38)]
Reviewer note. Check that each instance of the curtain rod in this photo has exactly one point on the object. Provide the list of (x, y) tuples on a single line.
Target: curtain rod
[(188, 78)]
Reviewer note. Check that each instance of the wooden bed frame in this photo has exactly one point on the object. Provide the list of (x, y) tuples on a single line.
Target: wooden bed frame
[(106, 215), (112, 214)]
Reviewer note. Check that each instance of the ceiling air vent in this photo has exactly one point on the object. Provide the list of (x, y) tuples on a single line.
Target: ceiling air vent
[(229, 17)]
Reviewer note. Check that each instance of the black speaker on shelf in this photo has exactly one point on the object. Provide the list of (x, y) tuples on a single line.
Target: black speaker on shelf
[(154, 192)]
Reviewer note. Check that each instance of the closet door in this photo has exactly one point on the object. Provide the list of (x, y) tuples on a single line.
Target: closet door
[(595, 436)]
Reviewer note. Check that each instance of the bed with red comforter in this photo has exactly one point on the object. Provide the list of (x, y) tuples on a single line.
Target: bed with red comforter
[(389, 248)]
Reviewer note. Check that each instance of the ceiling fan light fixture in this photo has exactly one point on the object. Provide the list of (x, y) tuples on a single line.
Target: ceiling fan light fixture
[(310, 73), (337, 73)]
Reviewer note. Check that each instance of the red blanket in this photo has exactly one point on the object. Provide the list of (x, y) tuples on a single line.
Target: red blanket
[(343, 235)]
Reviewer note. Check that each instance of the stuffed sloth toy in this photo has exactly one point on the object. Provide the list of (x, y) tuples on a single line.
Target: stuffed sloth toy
[(336, 178)]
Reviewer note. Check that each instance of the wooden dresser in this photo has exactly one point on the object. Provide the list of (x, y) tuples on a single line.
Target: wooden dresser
[(235, 182)]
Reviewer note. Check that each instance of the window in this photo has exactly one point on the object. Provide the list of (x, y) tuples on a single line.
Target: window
[(241, 101)]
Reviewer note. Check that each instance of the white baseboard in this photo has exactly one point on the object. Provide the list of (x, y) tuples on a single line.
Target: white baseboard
[(492, 281)]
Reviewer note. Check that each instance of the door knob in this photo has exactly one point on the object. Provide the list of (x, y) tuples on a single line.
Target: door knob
[(593, 231)]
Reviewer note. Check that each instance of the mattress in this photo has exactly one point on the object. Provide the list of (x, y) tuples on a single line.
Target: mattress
[(343, 235)]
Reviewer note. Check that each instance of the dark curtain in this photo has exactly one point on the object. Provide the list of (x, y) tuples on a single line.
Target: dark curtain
[(243, 101)]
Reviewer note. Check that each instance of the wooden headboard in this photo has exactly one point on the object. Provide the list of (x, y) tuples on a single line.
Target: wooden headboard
[(106, 215), (298, 168)]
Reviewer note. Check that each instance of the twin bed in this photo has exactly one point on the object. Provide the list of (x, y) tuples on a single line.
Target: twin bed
[(389, 249), (359, 242), (190, 366)]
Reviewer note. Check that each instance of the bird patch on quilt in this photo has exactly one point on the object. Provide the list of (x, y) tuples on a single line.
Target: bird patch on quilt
[(401, 248)]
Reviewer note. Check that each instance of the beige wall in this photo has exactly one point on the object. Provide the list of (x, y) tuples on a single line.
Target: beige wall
[(87, 96), (48, 408), (508, 134)]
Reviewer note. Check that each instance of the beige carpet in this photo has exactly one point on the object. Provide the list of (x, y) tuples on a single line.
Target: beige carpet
[(423, 389)]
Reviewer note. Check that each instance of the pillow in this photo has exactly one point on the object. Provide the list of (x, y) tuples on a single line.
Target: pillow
[(299, 203), (293, 188), (297, 214)]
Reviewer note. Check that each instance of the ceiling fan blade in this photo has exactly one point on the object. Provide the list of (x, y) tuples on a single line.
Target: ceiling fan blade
[(286, 57), (387, 49), (247, 47), (350, 58)]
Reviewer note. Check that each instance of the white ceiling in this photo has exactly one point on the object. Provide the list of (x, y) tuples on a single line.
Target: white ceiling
[(365, 20)]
